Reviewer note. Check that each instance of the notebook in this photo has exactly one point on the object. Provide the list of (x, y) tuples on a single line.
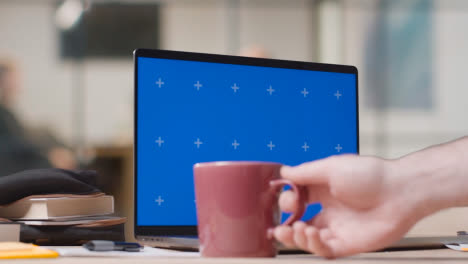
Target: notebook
[(15, 250)]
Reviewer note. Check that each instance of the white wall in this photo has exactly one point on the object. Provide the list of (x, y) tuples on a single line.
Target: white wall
[(29, 36), (412, 130), (285, 28), (198, 26)]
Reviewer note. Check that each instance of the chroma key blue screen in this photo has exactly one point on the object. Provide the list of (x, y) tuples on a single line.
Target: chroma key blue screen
[(191, 111)]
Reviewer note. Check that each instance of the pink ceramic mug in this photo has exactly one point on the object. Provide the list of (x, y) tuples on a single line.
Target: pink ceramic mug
[(237, 205)]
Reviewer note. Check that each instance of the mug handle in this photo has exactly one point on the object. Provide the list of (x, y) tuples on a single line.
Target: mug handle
[(301, 193)]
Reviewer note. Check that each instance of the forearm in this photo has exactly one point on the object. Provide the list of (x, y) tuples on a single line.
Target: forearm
[(435, 178)]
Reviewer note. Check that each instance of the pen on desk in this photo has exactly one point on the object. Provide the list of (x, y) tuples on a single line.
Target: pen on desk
[(106, 245)]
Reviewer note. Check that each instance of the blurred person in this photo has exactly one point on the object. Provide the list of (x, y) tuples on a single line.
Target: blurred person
[(18, 150), (255, 51), (369, 202)]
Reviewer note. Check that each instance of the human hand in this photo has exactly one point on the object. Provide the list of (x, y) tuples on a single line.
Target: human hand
[(366, 206)]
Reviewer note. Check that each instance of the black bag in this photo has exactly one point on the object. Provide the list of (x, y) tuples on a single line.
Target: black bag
[(46, 181)]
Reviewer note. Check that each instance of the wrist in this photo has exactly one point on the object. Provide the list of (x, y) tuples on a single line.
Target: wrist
[(407, 195), (433, 179)]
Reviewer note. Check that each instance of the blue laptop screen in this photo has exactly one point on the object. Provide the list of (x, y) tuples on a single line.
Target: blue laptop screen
[(191, 111)]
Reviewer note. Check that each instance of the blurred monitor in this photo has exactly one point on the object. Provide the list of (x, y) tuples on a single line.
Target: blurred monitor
[(111, 30)]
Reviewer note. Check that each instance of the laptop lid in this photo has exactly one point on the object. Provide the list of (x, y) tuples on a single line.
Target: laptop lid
[(192, 107)]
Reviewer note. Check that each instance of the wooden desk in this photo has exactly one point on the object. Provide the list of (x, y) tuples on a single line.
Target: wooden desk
[(419, 256)]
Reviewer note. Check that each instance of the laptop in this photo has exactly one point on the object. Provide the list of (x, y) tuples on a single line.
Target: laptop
[(193, 107)]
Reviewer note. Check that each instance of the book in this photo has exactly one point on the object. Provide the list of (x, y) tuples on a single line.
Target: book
[(37, 208), (79, 221)]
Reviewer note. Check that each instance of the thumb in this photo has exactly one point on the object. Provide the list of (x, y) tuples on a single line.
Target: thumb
[(315, 172)]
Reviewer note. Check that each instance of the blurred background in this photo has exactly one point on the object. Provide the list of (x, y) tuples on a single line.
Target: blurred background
[(66, 69)]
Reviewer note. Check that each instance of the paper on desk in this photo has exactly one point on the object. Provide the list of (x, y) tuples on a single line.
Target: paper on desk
[(458, 247), (147, 252)]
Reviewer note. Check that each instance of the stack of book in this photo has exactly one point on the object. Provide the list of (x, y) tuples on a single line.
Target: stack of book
[(51, 214), (65, 210)]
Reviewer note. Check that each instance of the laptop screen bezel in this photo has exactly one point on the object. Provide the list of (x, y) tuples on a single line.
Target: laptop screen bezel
[(191, 230)]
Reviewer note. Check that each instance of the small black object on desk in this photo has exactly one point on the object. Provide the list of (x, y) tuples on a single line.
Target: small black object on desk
[(106, 245)]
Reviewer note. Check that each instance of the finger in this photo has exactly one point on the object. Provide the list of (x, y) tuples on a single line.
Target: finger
[(338, 249), (288, 201), (326, 235), (284, 234), (299, 235), (319, 221), (343, 248), (315, 244), (315, 172)]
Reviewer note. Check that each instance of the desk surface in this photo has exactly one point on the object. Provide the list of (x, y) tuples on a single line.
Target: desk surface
[(418, 256)]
